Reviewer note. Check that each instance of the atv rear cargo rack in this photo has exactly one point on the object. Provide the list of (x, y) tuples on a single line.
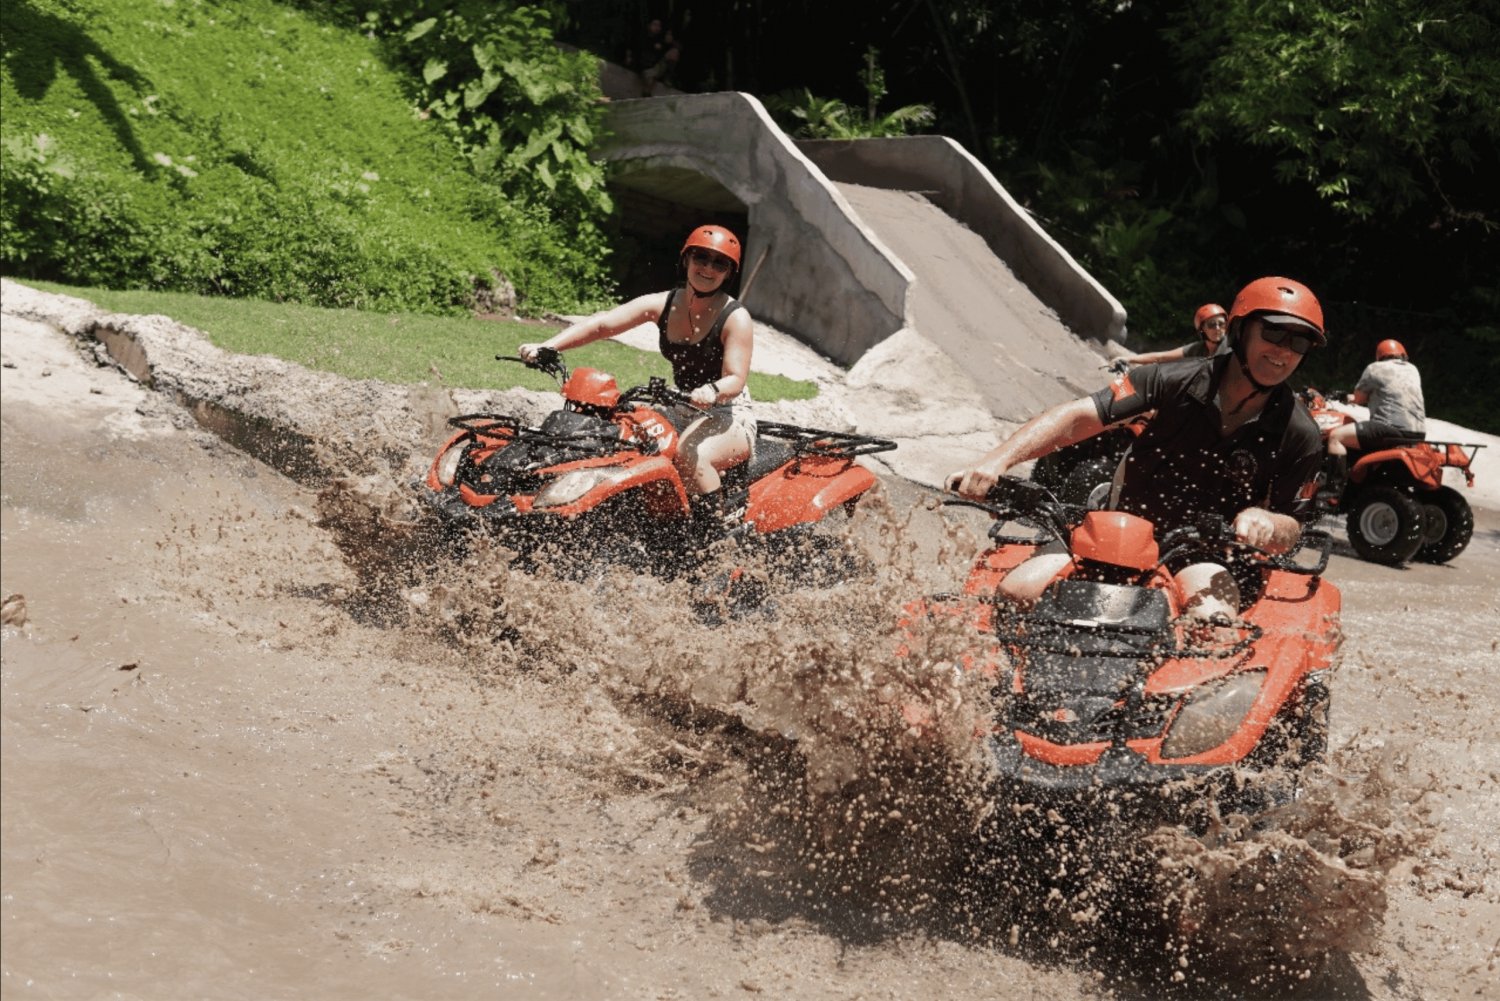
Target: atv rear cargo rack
[(1454, 455), (833, 444)]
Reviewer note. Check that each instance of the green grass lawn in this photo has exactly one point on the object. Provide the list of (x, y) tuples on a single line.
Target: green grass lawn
[(395, 347)]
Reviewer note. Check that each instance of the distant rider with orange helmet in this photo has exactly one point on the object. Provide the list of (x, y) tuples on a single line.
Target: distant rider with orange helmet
[(1229, 438), (1209, 321), (708, 336), (1391, 387)]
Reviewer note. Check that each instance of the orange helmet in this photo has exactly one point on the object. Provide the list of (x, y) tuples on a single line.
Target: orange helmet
[(1281, 300), (1205, 313), (1389, 348), (715, 238)]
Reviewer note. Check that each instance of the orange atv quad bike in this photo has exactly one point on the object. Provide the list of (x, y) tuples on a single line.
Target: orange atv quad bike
[(1395, 504), (597, 475), (1108, 696)]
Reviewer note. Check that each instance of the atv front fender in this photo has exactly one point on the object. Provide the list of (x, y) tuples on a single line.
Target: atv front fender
[(804, 490), (653, 476)]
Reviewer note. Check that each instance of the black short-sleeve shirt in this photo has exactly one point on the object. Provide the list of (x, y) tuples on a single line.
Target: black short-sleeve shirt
[(1181, 465)]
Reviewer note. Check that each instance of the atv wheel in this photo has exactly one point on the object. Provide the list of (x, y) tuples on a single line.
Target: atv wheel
[(1089, 484), (1447, 525), (1385, 525)]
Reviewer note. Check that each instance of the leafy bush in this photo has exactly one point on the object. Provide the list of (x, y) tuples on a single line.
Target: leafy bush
[(249, 149), (811, 117)]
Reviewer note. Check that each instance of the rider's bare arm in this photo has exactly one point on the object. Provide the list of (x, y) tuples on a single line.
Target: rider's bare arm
[(1048, 431), (645, 309), (739, 339), (1157, 357), (1266, 530)]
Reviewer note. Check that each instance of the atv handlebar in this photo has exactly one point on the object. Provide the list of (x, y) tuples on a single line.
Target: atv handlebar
[(549, 360), (1314, 397), (1213, 536), (1013, 499), (657, 391)]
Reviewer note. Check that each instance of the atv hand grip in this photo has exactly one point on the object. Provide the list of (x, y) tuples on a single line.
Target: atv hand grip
[(547, 360)]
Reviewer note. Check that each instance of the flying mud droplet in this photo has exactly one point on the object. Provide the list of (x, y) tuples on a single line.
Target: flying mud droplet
[(13, 610), (836, 754)]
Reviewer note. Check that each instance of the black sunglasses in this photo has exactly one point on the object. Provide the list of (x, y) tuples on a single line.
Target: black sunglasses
[(1299, 342), (708, 259)]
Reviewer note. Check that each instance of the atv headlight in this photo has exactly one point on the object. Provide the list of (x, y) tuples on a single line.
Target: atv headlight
[(570, 486), (1212, 714), (447, 464)]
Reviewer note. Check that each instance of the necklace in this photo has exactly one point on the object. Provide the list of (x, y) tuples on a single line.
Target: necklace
[(695, 320)]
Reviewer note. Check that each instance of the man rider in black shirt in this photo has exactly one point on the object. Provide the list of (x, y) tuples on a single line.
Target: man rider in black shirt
[(1229, 437)]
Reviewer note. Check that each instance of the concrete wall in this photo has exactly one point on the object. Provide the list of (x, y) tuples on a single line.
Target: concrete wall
[(811, 267), (960, 185)]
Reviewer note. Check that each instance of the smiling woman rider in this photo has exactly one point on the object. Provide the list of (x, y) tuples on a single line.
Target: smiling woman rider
[(707, 335)]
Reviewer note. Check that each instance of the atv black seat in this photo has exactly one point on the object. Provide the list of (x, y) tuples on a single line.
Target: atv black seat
[(770, 454), (567, 423)]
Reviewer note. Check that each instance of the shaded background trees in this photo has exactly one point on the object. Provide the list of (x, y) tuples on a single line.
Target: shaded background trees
[(1181, 149), (1176, 149)]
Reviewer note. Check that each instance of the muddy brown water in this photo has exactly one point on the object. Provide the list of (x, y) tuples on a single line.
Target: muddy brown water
[(253, 748)]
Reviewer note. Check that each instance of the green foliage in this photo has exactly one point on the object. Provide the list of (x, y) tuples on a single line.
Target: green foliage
[(1093, 204), (1378, 107), (394, 347), (525, 112), (55, 211), (810, 117), (250, 149)]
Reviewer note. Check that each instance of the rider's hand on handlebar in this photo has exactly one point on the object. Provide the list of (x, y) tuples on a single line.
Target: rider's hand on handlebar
[(975, 483), (1119, 366), (527, 352), (705, 395), (1254, 527)]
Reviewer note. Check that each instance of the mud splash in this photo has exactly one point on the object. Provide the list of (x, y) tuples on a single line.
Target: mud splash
[(571, 727), (791, 728)]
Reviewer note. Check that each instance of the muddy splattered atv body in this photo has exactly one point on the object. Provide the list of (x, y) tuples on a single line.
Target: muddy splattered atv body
[(1108, 697), (598, 475), (1395, 504)]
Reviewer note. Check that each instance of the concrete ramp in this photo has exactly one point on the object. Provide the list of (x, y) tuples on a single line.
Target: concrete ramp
[(850, 243), (969, 303)]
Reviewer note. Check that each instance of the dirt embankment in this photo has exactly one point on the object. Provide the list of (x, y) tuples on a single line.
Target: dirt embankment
[(238, 760)]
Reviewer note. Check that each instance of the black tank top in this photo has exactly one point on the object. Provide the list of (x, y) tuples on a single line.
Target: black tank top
[(700, 362)]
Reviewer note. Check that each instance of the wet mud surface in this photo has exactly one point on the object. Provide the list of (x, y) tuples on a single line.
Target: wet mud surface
[(263, 730)]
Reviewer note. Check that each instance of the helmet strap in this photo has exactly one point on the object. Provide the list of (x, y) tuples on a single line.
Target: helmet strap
[(1239, 358), (693, 292)]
